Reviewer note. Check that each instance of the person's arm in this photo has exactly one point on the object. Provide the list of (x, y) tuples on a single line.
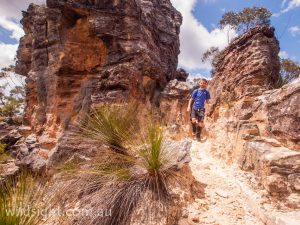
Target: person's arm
[(193, 96), (189, 105), (207, 101)]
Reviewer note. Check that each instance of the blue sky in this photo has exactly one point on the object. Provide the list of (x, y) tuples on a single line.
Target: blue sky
[(198, 32), (284, 23), (285, 19)]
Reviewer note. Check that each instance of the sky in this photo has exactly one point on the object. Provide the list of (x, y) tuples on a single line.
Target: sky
[(199, 30)]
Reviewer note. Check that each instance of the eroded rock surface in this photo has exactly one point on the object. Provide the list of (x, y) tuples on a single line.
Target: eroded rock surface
[(173, 104), (79, 53), (250, 122), (247, 67)]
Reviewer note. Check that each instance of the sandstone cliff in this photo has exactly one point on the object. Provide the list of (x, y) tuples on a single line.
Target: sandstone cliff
[(79, 53), (250, 122)]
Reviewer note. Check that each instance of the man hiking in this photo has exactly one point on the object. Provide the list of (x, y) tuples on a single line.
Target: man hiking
[(200, 96)]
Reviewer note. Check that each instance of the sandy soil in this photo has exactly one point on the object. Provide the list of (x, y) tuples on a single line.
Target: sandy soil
[(224, 203)]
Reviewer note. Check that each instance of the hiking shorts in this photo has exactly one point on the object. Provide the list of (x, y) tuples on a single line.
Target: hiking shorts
[(198, 114)]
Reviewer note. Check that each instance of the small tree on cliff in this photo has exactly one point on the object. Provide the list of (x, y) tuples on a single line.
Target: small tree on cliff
[(289, 71), (241, 22), (11, 105), (246, 19), (10, 68), (12, 94), (212, 55)]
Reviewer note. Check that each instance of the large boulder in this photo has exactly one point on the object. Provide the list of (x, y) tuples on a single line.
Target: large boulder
[(247, 67), (173, 104), (80, 53), (283, 112), (279, 167)]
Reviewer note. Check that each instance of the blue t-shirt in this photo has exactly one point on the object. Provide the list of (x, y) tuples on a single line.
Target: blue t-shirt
[(200, 96)]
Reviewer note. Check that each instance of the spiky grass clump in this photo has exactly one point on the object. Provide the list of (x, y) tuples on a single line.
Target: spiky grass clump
[(4, 156), (152, 153), (113, 125), (21, 200), (136, 164)]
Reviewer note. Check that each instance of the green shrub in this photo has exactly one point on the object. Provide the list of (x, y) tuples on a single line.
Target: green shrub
[(136, 162), (2, 148), (113, 125)]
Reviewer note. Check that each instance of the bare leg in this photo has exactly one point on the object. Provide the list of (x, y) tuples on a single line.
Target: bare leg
[(199, 130), (194, 126)]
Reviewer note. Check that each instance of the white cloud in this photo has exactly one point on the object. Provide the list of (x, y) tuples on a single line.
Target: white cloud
[(10, 14), (283, 3), (15, 28), (283, 54), (290, 5), (13, 8), (295, 30), (7, 54), (195, 38)]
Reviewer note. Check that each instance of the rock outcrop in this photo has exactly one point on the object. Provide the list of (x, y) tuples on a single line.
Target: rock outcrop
[(77, 54), (247, 67), (80, 53), (181, 75), (250, 122), (173, 104)]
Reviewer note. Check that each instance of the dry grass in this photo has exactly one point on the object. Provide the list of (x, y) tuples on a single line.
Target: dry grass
[(21, 198), (135, 163), (113, 125)]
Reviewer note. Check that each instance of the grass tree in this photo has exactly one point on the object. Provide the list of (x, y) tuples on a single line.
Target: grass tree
[(135, 162)]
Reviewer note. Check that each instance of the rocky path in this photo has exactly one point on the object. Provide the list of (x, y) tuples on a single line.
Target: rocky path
[(224, 203)]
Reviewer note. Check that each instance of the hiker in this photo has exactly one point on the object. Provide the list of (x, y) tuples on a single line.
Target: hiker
[(200, 96)]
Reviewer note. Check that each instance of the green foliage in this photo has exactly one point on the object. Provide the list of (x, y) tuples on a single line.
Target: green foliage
[(10, 108), (246, 19), (213, 55), (20, 200), (113, 125), (4, 71), (289, 71), (11, 105), (10, 68), (151, 154), (69, 166), (122, 178), (195, 84), (3, 155), (241, 21), (2, 148)]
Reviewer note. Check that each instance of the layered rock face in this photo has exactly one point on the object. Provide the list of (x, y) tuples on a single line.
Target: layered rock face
[(248, 67), (78, 53), (249, 122), (173, 104)]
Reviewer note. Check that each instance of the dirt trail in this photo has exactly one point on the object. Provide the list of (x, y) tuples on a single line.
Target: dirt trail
[(224, 203)]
